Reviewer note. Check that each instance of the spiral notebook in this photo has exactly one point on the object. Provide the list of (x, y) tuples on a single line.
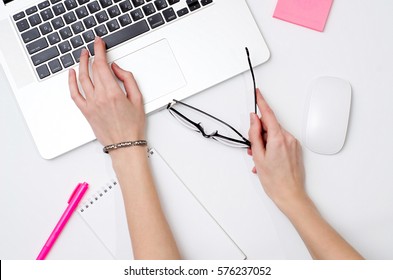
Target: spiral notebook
[(197, 234)]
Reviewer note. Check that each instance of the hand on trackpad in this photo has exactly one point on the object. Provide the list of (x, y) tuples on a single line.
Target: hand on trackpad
[(155, 69)]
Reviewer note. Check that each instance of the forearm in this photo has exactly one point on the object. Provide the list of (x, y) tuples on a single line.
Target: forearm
[(322, 241), (150, 234)]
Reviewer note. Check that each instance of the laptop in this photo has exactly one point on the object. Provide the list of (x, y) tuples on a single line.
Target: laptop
[(175, 48)]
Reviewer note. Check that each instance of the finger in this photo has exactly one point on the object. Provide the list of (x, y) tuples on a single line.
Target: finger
[(101, 72), (268, 117), (99, 51), (255, 136), (249, 151), (74, 90), (254, 170), (130, 85), (84, 76)]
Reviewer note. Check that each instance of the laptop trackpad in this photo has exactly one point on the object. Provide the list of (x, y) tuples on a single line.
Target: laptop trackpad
[(155, 69)]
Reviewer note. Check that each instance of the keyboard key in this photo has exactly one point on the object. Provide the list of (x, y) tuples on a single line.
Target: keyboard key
[(46, 14), (77, 27), (55, 66), (171, 2), (43, 5), (193, 5), (43, 71), (149, 9), (206, 2), (125, 6), (81, 2), (37, 45), (53, 38), (77, 54), (137, 14), (112, 25), (76, 41), (65, 33), (64, 47), (22, 25), (70, 4), (69, 17), (160, 4), (126, 34), (34, 20), (93, 7), (88, 36), (67, 60), (31, 10), (58, 9), (30, 35), (45, 55), (182, 12), (106, 3), (123, 35), (102, 17), (113, 11), (155, 21), (19, 16), (101, 30), (89, 22), (90, 47), (125, 20), (54, 1), (57, 23), (81, 12), (138, 3), (46, 28), (169, 14)]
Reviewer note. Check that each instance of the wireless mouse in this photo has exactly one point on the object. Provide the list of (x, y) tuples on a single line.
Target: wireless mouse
[(327, 115)]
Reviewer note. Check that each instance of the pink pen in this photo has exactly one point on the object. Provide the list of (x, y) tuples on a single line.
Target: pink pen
[(73, 202)]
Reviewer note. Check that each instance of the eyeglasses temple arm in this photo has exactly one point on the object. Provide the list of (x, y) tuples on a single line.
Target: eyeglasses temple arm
[(253, 80)]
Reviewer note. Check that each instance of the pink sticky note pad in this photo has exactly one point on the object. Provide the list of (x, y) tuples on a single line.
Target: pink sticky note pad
[(308, 13)]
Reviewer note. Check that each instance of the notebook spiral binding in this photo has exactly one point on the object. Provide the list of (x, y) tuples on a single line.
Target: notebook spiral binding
[(97, 196)]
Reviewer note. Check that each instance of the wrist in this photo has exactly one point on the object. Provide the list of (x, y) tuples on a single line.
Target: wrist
[(128, 156), (295, 205)]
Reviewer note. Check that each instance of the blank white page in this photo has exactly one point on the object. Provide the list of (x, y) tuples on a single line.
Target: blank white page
[(197, 233)]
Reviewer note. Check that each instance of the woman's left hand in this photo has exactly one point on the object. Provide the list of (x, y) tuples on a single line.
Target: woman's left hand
[(113, 115)]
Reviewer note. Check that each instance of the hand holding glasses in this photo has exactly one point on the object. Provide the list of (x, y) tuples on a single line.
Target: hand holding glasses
[(228, 135)]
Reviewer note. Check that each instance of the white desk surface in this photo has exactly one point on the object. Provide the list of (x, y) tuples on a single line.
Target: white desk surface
[(353, 190)]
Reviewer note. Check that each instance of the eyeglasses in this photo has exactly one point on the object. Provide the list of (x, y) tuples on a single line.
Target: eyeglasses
[(227, 137), (211, 125)]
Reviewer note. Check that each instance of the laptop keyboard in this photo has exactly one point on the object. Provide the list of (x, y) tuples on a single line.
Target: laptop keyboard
[(54, 32)]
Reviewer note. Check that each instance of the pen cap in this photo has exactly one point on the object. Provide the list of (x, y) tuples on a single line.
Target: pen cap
[(78, 192)]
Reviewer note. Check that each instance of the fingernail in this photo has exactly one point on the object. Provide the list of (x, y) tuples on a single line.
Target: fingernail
[(115, 65), (83, 52), (97, 39)]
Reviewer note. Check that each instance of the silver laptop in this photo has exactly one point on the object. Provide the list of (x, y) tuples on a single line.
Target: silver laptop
[(175, 48)]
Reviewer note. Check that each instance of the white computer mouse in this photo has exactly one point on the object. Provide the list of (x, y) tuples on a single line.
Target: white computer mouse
[(327, 115)]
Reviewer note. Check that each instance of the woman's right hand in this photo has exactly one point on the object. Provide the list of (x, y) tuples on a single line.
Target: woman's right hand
[(277, 156)]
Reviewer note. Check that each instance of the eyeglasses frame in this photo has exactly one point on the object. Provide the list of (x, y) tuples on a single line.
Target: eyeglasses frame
[(200, 129)]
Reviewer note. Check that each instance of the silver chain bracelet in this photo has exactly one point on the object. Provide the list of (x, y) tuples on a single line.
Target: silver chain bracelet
[(109, 148)]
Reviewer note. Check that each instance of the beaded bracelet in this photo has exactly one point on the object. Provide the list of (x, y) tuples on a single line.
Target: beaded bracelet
[(127, 144)]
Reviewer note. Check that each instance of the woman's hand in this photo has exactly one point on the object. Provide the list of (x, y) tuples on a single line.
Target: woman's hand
[(277, 156), (113, 115)]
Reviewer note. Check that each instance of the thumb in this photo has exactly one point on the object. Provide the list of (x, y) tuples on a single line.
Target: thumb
[(255, 136), (130, 85)]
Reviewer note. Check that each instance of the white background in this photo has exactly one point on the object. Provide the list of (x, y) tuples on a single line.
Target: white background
[(353, 189)]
